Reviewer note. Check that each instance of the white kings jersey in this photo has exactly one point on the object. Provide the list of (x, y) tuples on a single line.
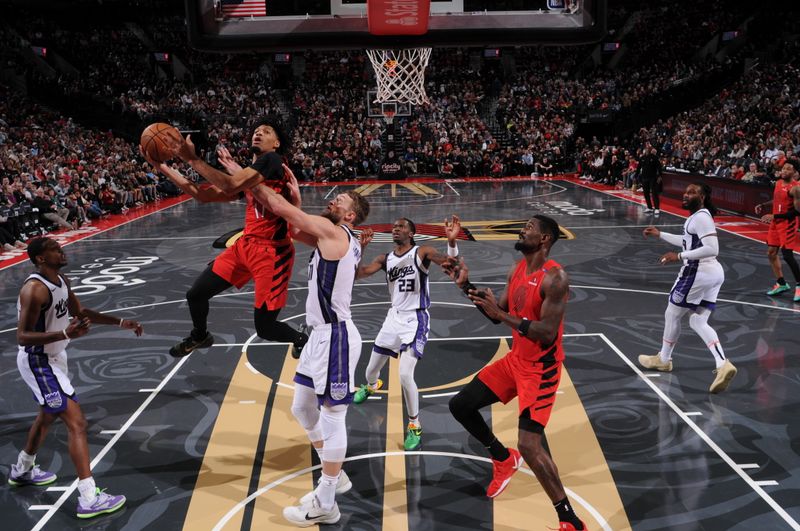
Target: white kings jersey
[(330, 284), (407, 279), (696, 227), (53, 317)]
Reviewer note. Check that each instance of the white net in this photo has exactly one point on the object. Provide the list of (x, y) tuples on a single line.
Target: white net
[(400, 74)]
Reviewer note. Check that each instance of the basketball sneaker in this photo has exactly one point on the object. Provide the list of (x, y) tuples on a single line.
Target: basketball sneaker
[(342, 485), (724, 376), (502, 472), (103, 504), (796, 294), (34, 476), (297, 348), (190, 344), (311, 514), (365, 391), (777, 289), (655, 363), (413, 438)]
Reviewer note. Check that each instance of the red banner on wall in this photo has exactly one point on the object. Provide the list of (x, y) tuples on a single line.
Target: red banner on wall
[(398, 17)]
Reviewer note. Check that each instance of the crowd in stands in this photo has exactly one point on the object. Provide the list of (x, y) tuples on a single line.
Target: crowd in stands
[(486, 117), (55, 173)]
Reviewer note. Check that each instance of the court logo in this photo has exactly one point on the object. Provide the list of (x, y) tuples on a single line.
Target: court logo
[(104, 272), (53, 400), (339, 390)]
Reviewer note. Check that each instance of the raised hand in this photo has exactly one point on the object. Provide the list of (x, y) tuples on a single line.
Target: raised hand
[(183, 148), (294, 187), (365, 237), (226, 159), (452, 228)]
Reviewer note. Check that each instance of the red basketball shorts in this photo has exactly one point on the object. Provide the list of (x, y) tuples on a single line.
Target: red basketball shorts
[(267, 262), (782, 233), (534, 383)]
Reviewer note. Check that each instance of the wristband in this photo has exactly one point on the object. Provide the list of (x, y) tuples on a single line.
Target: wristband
[(120, 322), (523, 327), (452, 251), (679, 256), (65, 333)]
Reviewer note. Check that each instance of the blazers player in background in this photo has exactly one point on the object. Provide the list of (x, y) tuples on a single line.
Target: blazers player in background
[(44, 331), (782, 235), (405, 330), (264, 253), (533, 306)]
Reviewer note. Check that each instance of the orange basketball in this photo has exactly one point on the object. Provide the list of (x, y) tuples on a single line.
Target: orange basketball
[(153, 141)]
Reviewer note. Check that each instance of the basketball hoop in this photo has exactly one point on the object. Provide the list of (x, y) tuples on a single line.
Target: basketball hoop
[(388, 116), (400, 74)]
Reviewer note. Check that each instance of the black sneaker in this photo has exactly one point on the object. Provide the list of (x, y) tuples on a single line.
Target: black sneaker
[(189, 344), (297, 349)]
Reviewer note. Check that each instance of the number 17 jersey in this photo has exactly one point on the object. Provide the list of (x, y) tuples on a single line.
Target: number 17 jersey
[(407, 279)]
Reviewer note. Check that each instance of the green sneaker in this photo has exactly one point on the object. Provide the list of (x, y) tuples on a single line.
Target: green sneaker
[(777, 289), (365, 390), (413, 438)]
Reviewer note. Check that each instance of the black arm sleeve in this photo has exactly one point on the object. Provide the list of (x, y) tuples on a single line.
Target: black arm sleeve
[(789, 214), (270, 166)]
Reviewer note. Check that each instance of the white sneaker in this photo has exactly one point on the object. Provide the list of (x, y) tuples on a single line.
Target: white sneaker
[(647, 210), (342, 485), (311, 514), (656, 212)]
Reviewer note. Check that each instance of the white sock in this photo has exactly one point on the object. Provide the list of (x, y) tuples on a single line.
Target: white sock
[(87, 490), (25, 461), (414, 421), (326, 492)]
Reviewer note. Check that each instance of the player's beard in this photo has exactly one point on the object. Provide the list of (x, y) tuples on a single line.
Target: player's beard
[(524, 247), (693, 205), (331, 215)]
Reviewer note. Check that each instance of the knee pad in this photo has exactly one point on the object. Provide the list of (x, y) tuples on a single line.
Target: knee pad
[(306, 411), (334, 432)]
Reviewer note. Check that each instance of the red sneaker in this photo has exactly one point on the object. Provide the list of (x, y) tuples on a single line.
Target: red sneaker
[(567, 526), (502, 472)]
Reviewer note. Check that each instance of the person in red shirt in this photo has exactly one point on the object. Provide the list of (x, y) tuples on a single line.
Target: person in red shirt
[(782, 235), (533, 306), (264, 253)]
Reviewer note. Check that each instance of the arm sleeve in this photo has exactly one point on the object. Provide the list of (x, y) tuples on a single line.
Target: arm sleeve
[(270, 165), (709, 249), (672, 239)]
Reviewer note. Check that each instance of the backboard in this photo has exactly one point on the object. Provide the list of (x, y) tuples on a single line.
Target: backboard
[(279, 25)]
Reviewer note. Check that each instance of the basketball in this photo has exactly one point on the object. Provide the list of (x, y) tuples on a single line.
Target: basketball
[(154, 141)]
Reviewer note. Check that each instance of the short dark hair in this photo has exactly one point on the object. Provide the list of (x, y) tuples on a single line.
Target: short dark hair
[(550, 226), (360, 206), (276, 124), (413, 227), (36, 247)]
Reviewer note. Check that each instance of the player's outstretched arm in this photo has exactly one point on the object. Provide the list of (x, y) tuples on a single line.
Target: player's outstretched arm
[(91, 316), (314, 226), (452, 229), (230, 184), (373, 267), (204, 195)]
